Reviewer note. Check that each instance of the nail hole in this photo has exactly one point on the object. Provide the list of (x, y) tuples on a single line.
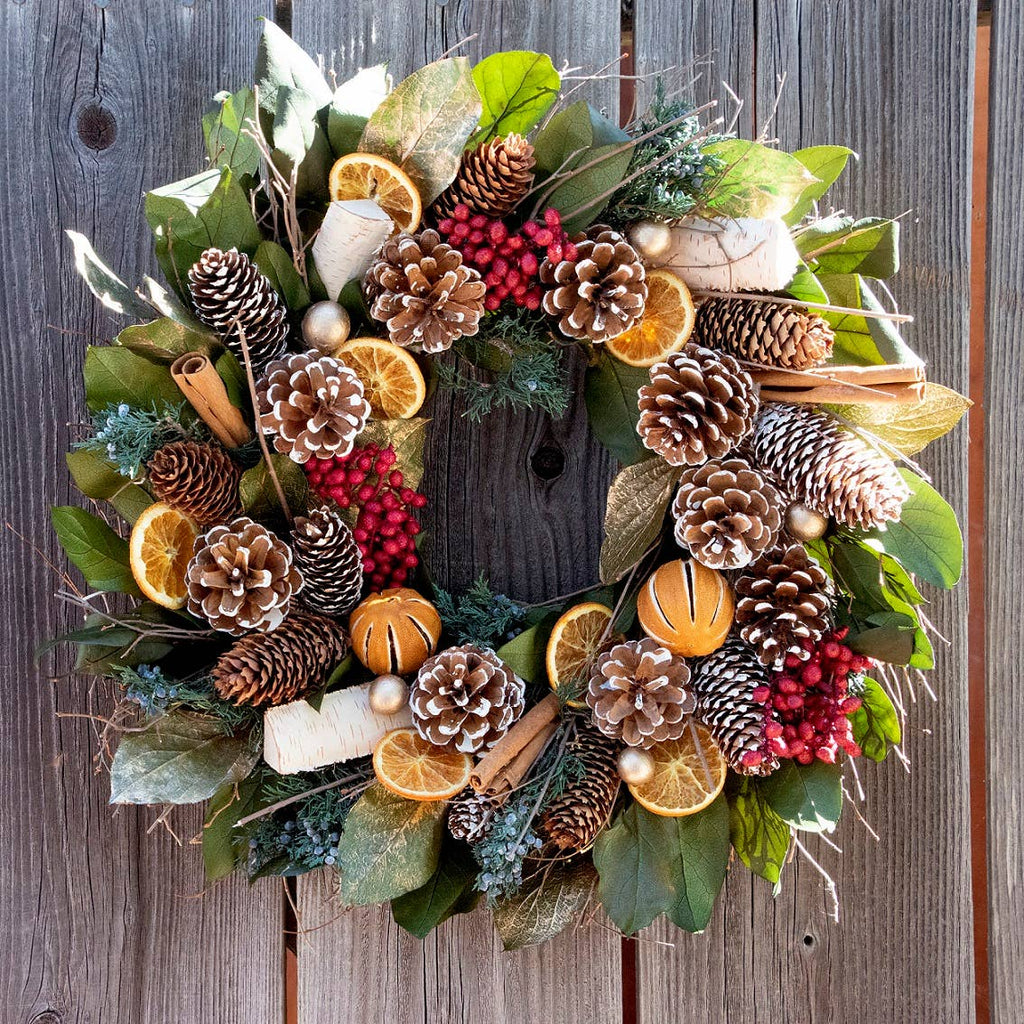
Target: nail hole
[(548, 461), (97, 128)]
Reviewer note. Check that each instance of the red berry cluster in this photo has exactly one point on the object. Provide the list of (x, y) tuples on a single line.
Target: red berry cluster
[(808, 702), (508, 261), (385, 529)]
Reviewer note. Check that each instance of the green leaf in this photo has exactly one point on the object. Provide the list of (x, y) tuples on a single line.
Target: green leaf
[(805, 286), (230, 370), (97, 478), (757, 181), (700, 859), (876, 725), (278, 268), (409, 438), (517, 87), (637, 502), (352, 104), (859, 339), (842, 245), (259, 496), (282, 63), (100, 555), (163, 340), (419, 912), (224, 846), (168, 304), (524, 654), (179, 759), (424, 124), (104, 283), (300, 141), (389, 846), (114, 374), (808, 797), (610, 391), (545, 905), (826, 163), (226, 143), (758, 835)]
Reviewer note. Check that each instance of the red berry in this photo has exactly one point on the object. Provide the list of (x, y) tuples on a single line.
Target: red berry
[(552, 217), (461, 212)]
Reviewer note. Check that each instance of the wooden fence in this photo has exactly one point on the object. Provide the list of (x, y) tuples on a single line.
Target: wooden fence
[(105, 923)]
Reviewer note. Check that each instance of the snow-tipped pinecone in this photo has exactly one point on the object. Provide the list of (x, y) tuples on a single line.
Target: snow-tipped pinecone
[(764, 332), (275, 668), (199, 480), (329, 559), (231, 295), (732, 690), (469, 815), (698, 406), (782, 600), (726, 513), (491, 180), (829, 469), (420, 288)]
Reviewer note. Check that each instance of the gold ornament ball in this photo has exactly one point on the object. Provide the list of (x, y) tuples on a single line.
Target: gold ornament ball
[(635, 766), (388, 694), (325, 326), (650, 238), (804, 523)]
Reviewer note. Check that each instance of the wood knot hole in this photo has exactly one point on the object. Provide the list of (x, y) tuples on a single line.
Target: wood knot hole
[(97, 128), (548, 461), (47, 1017), (809, 941)]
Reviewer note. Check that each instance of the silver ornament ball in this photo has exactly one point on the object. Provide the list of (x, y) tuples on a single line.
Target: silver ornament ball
[(804, 523), (388, 695), (635, 766), (325, 326), (650, 238)]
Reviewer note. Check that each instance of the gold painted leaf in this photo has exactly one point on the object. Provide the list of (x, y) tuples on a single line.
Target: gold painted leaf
[(409, 437)]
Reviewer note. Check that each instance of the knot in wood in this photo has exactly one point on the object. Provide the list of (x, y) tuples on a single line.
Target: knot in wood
[(548, 461), (97, 128)]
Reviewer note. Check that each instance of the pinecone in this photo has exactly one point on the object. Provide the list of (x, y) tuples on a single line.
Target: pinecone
[(599, 294), (829, 469), (329, 559), (469, 815), (491, 180), (782, 604), (573, 820), (639, 693), (199, 480), (726, 513), (230, 294), (768, 333), (313, 404), (241, 578), (698, 406), (278, 667), (421, 289), (466, 697), (727, 685)]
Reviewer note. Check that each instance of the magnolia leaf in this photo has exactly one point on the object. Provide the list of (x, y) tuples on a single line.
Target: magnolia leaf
[(876, 725), (419, 912), (97, 478), (408, 437), (757, 181), (808, 797), (610, 391), (163, 340), (806, 287), (352, 104), (637, 501), (279, 270), (227, 145), (424, 124), (92, 546), (300, 142), (700, 858), (104, 283), (101, 646), (826, 163), (114, 374), (517, 87), (389, 846), (225, 847), (169, 305), (545, 905), (842, 245), (524, 654), (180, 758), (858, 339), (281, 62), (259, 496), (758, 835)]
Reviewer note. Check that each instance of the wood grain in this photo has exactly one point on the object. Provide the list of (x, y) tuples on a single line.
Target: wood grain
[(893, 81), (101, 921)]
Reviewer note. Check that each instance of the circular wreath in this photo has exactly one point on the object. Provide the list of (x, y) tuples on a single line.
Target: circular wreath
[(257, 441)]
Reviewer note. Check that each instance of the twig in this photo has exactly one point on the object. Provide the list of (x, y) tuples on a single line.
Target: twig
[(264, 811), (830, 885), (462, 42)]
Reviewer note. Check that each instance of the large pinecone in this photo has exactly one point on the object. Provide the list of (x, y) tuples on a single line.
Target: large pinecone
[(278, 667), (491, 180), (241, 578), (764, 332), (328, 557), (199, 480), (466, 697), (698, 405), (313, 404), (726, 513), (470, 814), (600, 293), (829, 469), (421, 289), (782, 601), (639, 693), (725, 683), (230, 294), (573, 820)]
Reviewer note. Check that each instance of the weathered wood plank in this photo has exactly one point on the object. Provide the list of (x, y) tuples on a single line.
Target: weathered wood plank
[(894, 83), (102, 921), (489, 512)]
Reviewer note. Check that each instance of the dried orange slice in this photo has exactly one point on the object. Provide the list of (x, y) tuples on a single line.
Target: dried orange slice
[(366, 176), (393, 383), (407, 764), (688, 774), (574, 644), (666, 324), (159, 552)]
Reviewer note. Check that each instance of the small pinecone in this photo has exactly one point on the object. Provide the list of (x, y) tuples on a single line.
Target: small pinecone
[(698, 406), (328, 557), (469, 815), (241, 578), (782, 601), (764, 332), (725, 683), (313, 404), (466, 697), (491, 180), (639, 693), (421, 289), (602, 292), (829, 469), (726, 513), (573, 820), (199, 480), (278, 667), (230, 294)]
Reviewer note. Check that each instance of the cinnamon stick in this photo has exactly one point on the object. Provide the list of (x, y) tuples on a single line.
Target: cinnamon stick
[(892, 373), (504, 766), (840, 393), (200, 383)]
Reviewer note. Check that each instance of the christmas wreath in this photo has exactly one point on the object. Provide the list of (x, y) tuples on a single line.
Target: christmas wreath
[(256, 454)]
